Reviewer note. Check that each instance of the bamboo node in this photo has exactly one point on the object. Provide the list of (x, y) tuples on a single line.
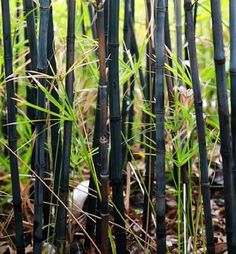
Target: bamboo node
[(219, 61), (113, 45)]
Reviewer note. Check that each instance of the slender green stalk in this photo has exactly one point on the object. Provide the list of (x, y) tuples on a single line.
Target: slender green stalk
[(232, 9), (160, 12), (61, 223), (115, 126), (103, 137), (190, 32), (11, 119), (40, 158), (93, 23)]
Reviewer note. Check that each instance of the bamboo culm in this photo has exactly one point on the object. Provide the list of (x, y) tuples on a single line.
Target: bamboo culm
[(31, 36), (115, 127), (148, 129), (190, 32), (223, 111), (232, 13), (40, 158), (160, 12), (103, 135), (61, 223), (11, 130), (125, 101), (56, 145), (94, 203)]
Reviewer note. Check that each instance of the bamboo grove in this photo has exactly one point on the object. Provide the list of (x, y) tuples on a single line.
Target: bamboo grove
[(135, 106)]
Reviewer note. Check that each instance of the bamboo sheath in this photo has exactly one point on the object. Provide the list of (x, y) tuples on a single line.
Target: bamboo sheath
[(11, 129), (190, 32)]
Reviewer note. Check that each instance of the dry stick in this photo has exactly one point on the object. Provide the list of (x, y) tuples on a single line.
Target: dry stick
[(115, 126), (149, 133), (232, 9), (12, 134), (190, 32), (40, 158), (160, 12), (103, 137), (61, 223)]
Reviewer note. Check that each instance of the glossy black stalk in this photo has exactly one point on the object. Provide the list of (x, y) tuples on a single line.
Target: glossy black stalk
[(40, 155), (126, 99), (31, 36), (61, 223), (103, 137), (56, 143), (148, 129), (232, 14), (94, 204), (160, 12), (115, 127), (190, 32), (11, 130), (223, 110)]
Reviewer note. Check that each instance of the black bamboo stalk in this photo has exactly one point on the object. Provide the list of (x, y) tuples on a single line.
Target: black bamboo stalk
[(11, 119), (94, 204), (190, 32), (17, 39), (40, 158), (61, 223), (148, 130), (125, 101), (132, 78), (232, 9), (31, 36), (160, 11), (178, 24), (56, 143), (103, 137), (223, 110), (115, 127)]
